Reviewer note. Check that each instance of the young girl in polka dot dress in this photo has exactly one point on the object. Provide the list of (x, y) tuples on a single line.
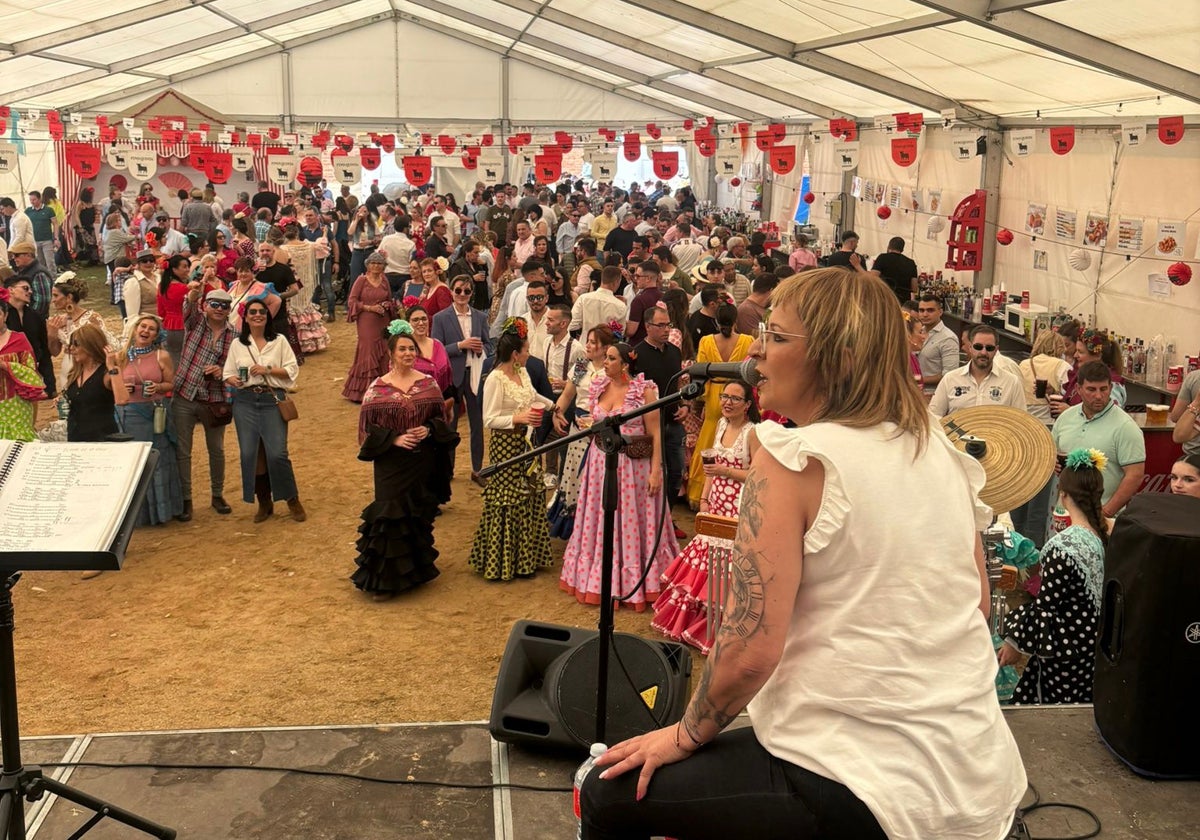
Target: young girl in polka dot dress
[(682, 613), (1058, 629), (640, 486)]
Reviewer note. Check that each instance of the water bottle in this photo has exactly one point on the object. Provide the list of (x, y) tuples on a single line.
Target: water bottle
[(596, 751)]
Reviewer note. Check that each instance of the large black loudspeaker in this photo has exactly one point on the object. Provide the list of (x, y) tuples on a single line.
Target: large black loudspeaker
[(1148, 661), (546, 688)]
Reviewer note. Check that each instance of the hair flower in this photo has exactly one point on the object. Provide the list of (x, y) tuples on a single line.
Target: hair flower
[(399, 327), (618, 329), (443, 264), (1079, 459), (517, 327), (1094, 340), (410, 301)]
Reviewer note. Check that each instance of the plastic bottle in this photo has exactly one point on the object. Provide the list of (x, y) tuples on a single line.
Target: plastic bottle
[(1060, 520), (595, 752)]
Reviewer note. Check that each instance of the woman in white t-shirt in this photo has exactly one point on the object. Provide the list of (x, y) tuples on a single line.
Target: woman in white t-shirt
[(262, 368), (873, 705)]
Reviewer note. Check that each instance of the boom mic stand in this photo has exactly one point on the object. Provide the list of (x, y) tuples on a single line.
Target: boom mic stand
[(610, 441)]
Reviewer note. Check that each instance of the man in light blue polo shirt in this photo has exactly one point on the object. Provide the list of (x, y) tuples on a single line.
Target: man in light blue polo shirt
[(1099, 423)]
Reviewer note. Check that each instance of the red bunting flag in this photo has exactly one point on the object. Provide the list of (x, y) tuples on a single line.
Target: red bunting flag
[(654, 131), (845, 129), (447, 143), (904, 150), (370, 157), (311, 171), (665, 164), (706, 143), (548, 168), (1170, 130), (633, 147), (418, 169), (782, 159), (565, 142), (487, 140), (387, 142), (1062, 139), (84, 158), (219, 166)]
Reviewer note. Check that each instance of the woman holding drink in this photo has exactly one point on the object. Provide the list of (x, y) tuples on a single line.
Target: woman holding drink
[(512, 539)]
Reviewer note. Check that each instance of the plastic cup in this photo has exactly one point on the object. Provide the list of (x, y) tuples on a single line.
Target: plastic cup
[(537, 414), (1039, 388), (1156, 414), (708, 456)]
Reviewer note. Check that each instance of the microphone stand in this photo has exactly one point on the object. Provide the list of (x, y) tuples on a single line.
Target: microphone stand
[(610, 441)]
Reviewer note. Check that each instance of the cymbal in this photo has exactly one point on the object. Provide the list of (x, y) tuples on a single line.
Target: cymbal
[(1019, 456)]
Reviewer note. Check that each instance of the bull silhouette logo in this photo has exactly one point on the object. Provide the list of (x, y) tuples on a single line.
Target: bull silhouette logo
[(241, 163), (120, 159), (1063, 144), (605, 172), (143, 171), (348, 174), (280, 172), (218, 172), (906, 156), (1170, 133), (4, 163), (491, 174), (1022, 148), (963, 152), (847, 160), (1133, 138)]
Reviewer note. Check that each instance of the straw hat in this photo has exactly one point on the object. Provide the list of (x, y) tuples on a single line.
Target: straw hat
[(1019, 452)]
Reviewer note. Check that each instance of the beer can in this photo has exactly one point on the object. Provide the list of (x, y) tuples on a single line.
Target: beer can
[(146, 386)]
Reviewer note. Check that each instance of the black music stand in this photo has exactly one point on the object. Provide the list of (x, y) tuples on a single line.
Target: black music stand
[(610, 441), (18, 782)]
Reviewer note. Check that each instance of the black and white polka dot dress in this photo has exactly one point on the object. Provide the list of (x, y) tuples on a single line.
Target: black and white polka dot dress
[(1059, 628)]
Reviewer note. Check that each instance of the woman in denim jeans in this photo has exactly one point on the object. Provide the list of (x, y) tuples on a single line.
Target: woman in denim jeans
[(262, 368)]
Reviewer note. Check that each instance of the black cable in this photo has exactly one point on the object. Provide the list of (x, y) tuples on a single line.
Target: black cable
[(333, 774), (1039, 805)]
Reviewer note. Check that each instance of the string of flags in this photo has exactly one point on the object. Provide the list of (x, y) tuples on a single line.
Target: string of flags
[(221, 150)]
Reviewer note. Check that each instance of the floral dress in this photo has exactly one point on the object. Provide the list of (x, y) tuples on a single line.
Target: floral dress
[(304, 317), (682, 614), (708, 352), (20, 387), (1060, 626), (637, 521)]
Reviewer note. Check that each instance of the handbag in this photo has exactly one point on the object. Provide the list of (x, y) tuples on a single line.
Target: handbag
[(213, 415), (287, 409), (639, 447)]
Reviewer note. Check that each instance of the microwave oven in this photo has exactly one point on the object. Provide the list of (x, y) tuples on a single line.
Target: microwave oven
[(1021, 319)]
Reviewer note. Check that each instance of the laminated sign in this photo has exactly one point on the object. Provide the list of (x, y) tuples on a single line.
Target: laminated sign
[(347, 170), (847, 154), (604, 165), (142, 163), (281, 169), (728, 161)]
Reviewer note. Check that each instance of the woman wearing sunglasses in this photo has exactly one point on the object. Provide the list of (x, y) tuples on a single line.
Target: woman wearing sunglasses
[(873, 707), (262, 367)]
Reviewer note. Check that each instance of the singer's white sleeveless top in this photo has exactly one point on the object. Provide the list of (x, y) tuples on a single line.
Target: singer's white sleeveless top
[(886, 683)]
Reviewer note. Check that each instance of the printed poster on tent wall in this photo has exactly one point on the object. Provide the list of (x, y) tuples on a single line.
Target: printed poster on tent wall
[(935, 201), (856, 187), (1040, 261), (1066, 223), (916, 199), (868, 190), (1035, 219), (1095, 231), (880, 192), (1170, 239), (893, 196), (1130, 233)]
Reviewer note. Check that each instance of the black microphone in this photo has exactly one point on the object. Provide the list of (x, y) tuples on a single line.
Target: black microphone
[(747, 370)]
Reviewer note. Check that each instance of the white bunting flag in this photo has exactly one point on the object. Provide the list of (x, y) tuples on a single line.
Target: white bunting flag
[(847, 154), (728, 161), (8, 157), (281, 169), (142, 163), (1022, 142), (243, 158)]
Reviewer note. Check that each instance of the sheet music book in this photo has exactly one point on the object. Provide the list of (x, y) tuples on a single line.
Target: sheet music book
[(66, 497)]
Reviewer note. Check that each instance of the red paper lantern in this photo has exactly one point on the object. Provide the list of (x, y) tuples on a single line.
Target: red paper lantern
[(809, 198), (884, 212), (735, 182), (1180, 273), (1004, 236)]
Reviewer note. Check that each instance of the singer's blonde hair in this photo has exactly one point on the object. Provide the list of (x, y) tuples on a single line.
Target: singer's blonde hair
[(858, 347)]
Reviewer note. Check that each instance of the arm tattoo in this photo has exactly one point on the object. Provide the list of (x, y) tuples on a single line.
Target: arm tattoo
[(750, 511), (702, 708)]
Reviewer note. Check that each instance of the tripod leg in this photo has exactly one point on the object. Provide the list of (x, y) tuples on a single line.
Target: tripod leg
[(105, 809), (7, 802)]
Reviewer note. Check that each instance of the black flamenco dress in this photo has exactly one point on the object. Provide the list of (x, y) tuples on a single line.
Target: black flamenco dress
[(395, 544)]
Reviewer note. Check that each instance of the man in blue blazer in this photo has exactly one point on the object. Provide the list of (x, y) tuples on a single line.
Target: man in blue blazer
[(464, 332)]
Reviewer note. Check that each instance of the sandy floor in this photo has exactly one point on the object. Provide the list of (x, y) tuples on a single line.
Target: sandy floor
[(220, 622)]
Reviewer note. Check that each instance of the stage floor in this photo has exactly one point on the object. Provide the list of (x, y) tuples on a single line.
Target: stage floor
[(1063, 755)]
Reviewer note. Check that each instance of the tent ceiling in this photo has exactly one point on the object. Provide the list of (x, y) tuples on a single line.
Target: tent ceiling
[(744, 59)]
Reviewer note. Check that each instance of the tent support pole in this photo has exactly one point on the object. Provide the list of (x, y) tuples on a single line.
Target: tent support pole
[(505, 121), (989, 176), (288, 104)]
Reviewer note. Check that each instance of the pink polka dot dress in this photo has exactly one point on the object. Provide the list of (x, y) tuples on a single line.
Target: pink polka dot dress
[(636, 521)]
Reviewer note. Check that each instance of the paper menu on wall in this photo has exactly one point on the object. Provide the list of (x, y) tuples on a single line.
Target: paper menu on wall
[(66, 497)]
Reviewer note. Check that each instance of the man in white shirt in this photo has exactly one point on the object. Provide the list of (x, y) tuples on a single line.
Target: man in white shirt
[(560, 351), (524, 244), (453, 223), (939, 355), (514, 303), (598, 308), (667, 203), (20, 228), (173, 242), (686, 251), (977, 382), (586, 217), (399, 250), (537, 292), (565, 236)]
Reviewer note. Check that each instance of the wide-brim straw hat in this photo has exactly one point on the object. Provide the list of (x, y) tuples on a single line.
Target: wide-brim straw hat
[(1019, 456)]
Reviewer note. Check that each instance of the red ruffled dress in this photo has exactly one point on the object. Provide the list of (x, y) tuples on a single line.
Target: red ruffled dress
[(681, 612)]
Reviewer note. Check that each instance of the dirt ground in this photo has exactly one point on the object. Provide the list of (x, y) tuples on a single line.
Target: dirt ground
[(219, 622)]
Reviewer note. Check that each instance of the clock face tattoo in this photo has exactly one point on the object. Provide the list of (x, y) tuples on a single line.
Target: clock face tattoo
[(746, 592)]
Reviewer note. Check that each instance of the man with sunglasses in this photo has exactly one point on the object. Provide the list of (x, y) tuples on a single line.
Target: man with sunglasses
[(200, 391), (463, 331), (978, 382), (23, 318)]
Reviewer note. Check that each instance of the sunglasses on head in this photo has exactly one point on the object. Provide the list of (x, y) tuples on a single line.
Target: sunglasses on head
[(991, 348)]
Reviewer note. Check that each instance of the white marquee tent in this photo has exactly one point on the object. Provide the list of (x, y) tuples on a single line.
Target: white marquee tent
[(474, 66)]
